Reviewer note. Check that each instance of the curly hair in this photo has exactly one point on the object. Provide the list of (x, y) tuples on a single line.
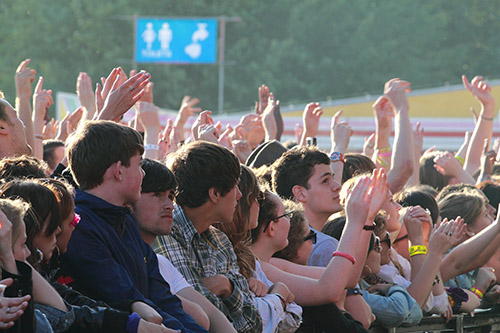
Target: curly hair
[(295, 167), (298, 228)]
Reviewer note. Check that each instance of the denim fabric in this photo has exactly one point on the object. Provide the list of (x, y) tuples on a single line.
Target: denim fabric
[(42, 323), (394, 309), (60, 321)]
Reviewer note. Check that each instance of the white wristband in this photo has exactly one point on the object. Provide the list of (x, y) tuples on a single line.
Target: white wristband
[(152, 147)]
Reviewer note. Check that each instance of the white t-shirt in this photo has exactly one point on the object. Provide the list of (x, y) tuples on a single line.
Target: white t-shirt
[(174, 278)]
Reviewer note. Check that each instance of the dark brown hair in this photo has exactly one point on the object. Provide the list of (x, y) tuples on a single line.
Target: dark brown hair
[(43, 212), (295, 167), (199, 166), (298, 228), (93, 148)]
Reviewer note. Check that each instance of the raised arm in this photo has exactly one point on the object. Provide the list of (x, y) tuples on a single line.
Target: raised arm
[(340, 135), (24, 78), (86, 95), (310, 118), (481, 90), (383, 112), (42, 100), (402, 157)]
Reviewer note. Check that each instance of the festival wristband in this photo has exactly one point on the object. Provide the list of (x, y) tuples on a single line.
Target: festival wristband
[(152, 147), (479, 293), (344, 255), (417, 249), (460, 159)]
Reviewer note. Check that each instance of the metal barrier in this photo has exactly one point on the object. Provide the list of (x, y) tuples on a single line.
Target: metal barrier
[(481, 322)]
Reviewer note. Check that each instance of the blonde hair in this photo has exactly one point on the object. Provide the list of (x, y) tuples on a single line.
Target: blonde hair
[(14, 209)]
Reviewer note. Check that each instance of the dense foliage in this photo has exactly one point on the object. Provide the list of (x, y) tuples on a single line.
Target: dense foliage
[(304, 50)]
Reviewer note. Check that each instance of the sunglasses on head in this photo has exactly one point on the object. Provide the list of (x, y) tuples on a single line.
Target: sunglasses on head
[(312, 236), (287, 215)]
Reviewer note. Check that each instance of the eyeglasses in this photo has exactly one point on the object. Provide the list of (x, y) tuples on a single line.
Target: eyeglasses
[(287, 215), (387, 239), (75, 221), (312, 236), (376, 246)]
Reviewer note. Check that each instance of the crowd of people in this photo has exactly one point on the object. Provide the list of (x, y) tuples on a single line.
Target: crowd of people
[(113, 227)]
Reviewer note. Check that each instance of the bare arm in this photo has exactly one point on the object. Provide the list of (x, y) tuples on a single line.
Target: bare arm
[(402, 157), (24, 78), (340, 135), (218, 322), (484, 125)]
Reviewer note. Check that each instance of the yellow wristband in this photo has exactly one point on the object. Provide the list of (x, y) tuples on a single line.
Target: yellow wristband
[(460, 159), (385, 150), (477, 291), (417, 249)]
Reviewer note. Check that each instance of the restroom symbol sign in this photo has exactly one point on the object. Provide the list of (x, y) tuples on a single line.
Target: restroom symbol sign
[(176, 40)]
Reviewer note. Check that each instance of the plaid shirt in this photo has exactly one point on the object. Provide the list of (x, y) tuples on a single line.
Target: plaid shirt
[(197, 256)]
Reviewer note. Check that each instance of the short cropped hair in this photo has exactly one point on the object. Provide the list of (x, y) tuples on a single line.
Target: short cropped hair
[(200, 166), (48, 152), (23, 166), (295, 167), (93, 148), (157, 178), (14, 209)]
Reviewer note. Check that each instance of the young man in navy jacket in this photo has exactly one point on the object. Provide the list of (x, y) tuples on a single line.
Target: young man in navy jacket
[(106, 255)]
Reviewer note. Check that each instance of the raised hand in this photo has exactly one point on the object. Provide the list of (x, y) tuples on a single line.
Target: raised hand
[(242, 150), (203, 120), (480, 89), (251, 125), (263, 99), (384, 111), (24, 78), (447, 165), (369, 145), (488, 159), (42, 100), (395, 90), (187, 110), (310, 118), (447, 234), (86, 94), (148, 115), (268, 119), (224, 137), (50, 129), (340, 133), (120, 99)]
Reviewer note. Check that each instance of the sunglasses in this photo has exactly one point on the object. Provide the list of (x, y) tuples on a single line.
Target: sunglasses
[(312, 236), (75, 221), (387, 239), (287, 215)]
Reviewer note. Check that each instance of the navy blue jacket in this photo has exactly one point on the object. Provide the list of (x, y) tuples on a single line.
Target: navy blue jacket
[(109, 261)]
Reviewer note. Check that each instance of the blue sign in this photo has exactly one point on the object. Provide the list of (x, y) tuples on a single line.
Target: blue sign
[(176, 40)]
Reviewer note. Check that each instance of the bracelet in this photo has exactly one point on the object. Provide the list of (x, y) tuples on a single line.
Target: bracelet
[(370, 227), (152, 147), (39, 136), (385, 150), (382, 162), (282, 299), (337, 157), (436, 280), (417, 249), (344, 255), (486, 118), (460, 159), (479, 293)]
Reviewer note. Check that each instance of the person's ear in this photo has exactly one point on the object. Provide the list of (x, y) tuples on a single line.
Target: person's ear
[(299, 192), (116, 170), (213, 194), (4, 129)]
